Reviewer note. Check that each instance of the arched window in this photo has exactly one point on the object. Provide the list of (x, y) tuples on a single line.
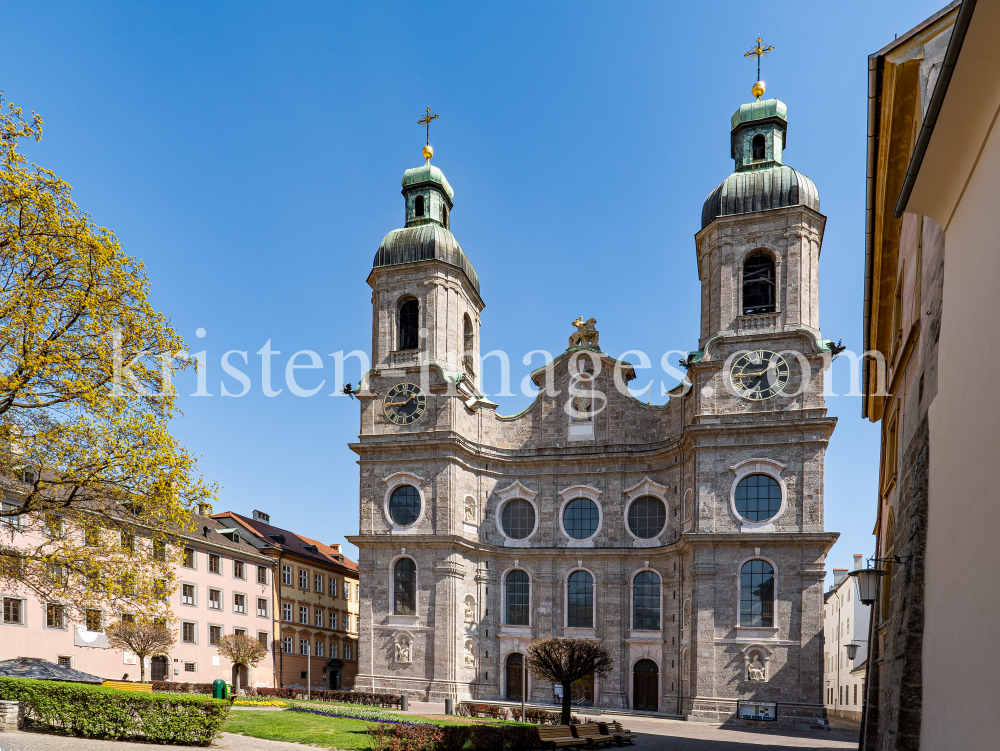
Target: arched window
[(757, 594), (758, 497), (404, 587), (418, 206), (758, 284), (518, 519), (468, 344), (404, 505), (646, 601), (646, 517), (580, 600), (409, 324), (518, 598), (759, 145), (444, 216), (581, 518)]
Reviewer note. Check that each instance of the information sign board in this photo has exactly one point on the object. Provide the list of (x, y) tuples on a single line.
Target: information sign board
[(757, 710)]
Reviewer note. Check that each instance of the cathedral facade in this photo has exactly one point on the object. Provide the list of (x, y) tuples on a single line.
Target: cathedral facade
[(687, 537)]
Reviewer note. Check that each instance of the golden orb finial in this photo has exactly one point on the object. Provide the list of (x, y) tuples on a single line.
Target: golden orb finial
[(758, 89), (427, 151)]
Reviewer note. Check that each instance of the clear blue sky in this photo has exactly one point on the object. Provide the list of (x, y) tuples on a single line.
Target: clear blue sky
[(250, 154)]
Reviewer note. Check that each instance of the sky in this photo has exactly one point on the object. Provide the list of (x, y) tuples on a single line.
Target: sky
[(250, 154)]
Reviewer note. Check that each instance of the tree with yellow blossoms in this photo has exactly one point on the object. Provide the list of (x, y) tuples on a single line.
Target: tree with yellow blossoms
[(95, 489)]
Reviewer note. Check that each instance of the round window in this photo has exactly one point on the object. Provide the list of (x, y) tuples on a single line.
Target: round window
[(404, 505), (518, 519), (646, 517), (758, 497), (581, 518)]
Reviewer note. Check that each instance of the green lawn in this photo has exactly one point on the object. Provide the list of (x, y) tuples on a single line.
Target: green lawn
[(326, 732)]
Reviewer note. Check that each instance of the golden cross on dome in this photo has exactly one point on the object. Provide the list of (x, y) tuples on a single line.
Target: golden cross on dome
[(759, 50), (426, 120)]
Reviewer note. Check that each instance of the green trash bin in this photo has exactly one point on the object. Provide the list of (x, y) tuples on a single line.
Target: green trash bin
[(220, 690)]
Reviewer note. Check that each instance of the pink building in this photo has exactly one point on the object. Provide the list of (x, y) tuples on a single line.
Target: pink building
[(224, 586)]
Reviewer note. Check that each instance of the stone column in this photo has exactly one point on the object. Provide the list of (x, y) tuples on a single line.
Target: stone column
[(445, 623), (11, 716)]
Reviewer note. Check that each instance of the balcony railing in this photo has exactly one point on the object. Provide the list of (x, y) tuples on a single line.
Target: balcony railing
[(758, 323)]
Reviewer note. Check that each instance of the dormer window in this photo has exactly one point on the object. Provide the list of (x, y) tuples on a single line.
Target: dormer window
[(418, 206), (759, 145)]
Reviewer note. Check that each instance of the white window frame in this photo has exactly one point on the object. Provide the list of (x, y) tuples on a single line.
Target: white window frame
[(287, 575), (288, 609), (512, 492), (571, 494), (392, 482), (767, 467), (654, 489)]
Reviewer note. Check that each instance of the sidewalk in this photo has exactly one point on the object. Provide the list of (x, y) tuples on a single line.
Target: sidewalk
[(32, 741)]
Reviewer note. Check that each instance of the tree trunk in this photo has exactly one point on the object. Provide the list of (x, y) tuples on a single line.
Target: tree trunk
[(142, 669), (236, 681), (566, 699)]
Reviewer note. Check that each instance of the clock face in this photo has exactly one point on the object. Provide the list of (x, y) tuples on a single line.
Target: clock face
[(404, 403), (759, 375)]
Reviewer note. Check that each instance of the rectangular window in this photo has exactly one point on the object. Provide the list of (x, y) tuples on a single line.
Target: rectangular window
[(128, 542), (303, 646), (319, 649), (92, 536), (333, 620), (286, 575), (240, 604), (333, 587), (12, 608), (53, 527), (262, 607), (187, 594), (240, 631), (319, 618), (347, 621), (303, 614), (333, 650), (262, 574), (190, 667), (855, 694), (55, 616), (11, 521), (239, 570), (187, 632), (286, 612), (214, 634), (286, 645), (347, 590), (65, 661), (264, 641), (214, 599), (127, 618), (188, 558), (159, 550), (347, 652), (95, 620), (214, 563), (303, 579)]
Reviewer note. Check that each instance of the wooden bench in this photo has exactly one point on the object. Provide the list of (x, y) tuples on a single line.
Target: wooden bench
[(128, 686), (558, 736), (590, 732), (621, 734)]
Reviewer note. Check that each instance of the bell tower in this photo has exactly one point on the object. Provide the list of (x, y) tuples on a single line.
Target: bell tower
[(425, 293), (761, 234)]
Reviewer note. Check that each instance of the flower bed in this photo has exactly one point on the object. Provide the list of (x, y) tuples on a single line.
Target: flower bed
[(340, 697), (251, 702), (99, 712)]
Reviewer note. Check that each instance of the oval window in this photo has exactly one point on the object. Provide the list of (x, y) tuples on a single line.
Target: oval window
[(581, 518), (758, 498), (404, 505), (518, 519), (646, 517)]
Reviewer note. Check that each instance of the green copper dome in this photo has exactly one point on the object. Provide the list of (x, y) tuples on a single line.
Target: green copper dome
[(759, 110), (427, 173)]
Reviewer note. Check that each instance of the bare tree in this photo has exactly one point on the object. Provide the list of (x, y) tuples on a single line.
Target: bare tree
[(143, 638), (565, 661), (241, 650)]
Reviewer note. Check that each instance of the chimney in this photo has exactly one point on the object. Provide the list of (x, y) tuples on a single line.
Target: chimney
[(335, 546), (839, 574), (857, 561), (260, 516), (204, 509)]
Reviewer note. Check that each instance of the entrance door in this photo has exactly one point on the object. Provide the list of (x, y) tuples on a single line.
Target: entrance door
[(514, 663), (158, 668), (334, 675), (645, 686), (582, 691)]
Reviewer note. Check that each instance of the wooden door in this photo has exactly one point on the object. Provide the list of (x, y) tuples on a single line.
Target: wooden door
[(645, 686), (158, 669)]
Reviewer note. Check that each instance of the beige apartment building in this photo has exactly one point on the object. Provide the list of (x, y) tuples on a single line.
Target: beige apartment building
[(315, 606), (931, 315)]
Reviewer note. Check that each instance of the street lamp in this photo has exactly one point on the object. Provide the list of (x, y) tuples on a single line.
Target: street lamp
[(867, 583), (852, 650)]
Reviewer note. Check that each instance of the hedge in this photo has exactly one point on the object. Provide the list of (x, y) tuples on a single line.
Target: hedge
[(343, 697), (534, 716), (98, 712), (182, 688), (453, 737)]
